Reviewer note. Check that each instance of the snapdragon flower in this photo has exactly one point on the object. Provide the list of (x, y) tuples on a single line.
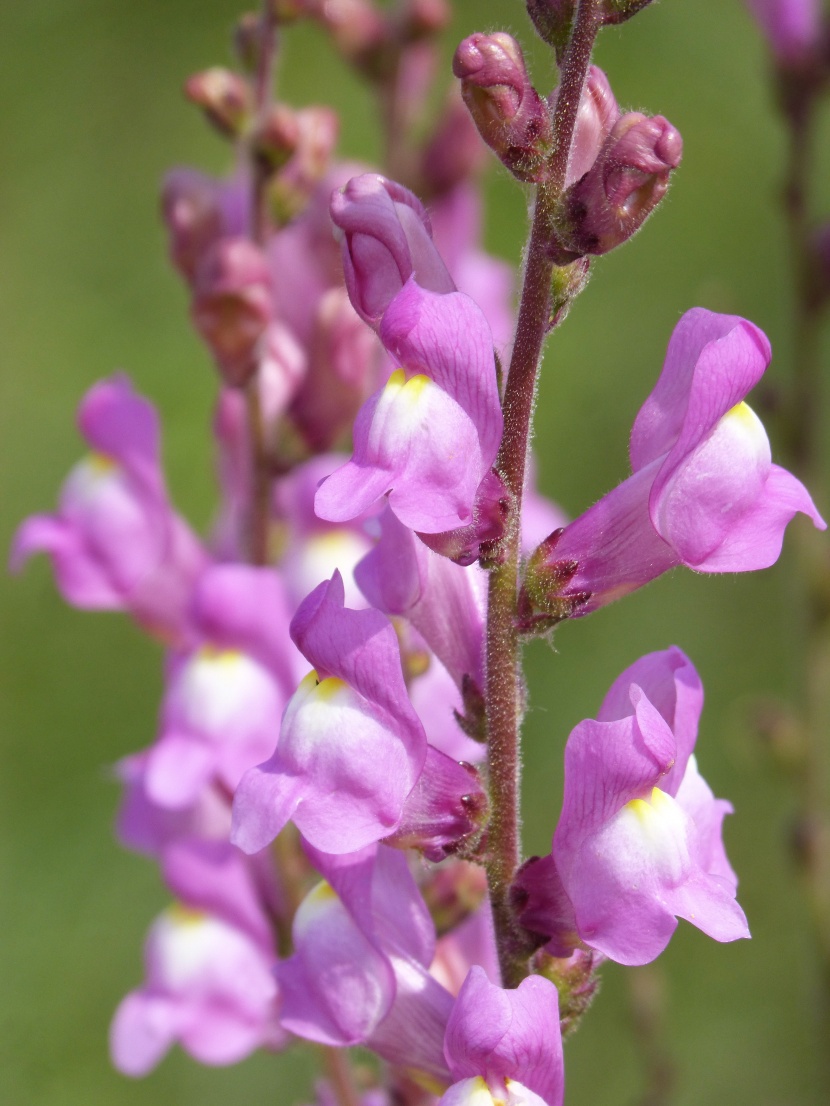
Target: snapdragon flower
[(351, 747), (429, 436), (115, 542), (504, 1046), (209, 963), (638, 842), (353, 765), (704, 492), (227, 691), (363, 942)]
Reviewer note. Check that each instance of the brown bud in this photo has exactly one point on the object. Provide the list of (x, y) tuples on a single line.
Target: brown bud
[(225, 98)]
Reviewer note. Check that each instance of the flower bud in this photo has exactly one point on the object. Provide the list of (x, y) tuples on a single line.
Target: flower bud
[(553, 19), (511, 117), (424, 18), (232, 306), (343, 357), (355, 26), (191, 212), (247, 35), (598, 112), (277, 137), (610, 203), (315, 138), (618, 11), (224, 97), (387, 238), (792, 28)]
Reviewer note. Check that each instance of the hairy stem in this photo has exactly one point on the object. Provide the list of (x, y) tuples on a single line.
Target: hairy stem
[(339, 1073), (505, 690)]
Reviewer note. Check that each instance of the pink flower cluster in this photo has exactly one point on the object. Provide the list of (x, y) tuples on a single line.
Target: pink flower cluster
[(331, 700)]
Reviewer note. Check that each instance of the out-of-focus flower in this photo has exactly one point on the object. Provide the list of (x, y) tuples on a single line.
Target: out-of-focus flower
[(792, 28), (115, 542)]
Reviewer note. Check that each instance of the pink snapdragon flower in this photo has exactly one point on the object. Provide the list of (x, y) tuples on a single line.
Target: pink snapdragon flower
[(209, 964), (704, 492), (146, 826), (387, 240), (209, 986), (115, 541), (353, 765), (226, 693), (429, 437), (351, 747), (363, 942), (504, 1046), (638, 843), (314, 549)]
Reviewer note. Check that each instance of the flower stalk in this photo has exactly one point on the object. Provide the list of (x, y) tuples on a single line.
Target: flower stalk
[(505, 691)]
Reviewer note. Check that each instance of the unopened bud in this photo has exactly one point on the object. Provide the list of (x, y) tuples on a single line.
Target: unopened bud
[(342, 372), (355, 26), (277, 137), (613, 199), (424, 18), (553, 20), (510, 115), (251, 31), (191, 212), (224, 97), (598, 112), (232, 306), (386, 239), (618, 11), (315, 136)]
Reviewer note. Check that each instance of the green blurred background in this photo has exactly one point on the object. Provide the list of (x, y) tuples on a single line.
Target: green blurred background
[(91, 117)]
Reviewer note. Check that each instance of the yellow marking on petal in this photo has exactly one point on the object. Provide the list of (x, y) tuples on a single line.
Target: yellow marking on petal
[(411, 389), (183, 915), (414, 388), (743, 412), (328, 688), (644, 809), (101, 463), (323, 892), (308, 682), (396, 381)]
